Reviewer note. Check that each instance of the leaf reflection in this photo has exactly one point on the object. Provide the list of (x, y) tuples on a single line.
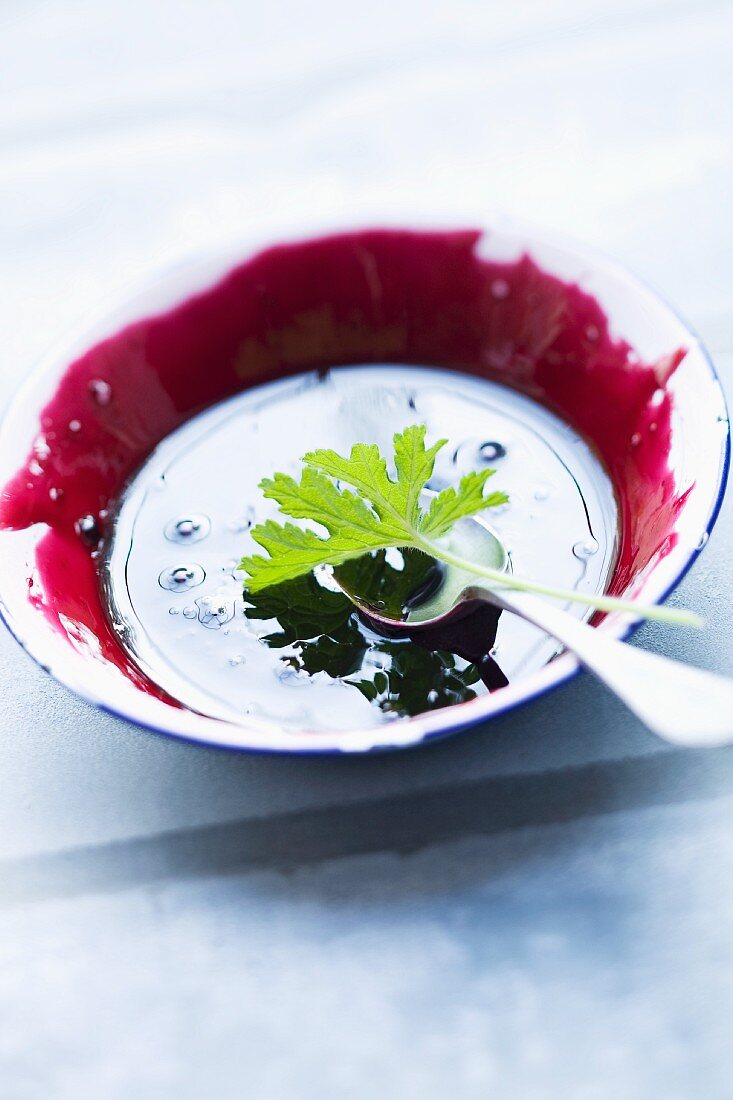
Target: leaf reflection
[(324, 634)]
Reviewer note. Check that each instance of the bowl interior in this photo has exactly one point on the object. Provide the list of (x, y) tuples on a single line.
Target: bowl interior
[(570, 331)]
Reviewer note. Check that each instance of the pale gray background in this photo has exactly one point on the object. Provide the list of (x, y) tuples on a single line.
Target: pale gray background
[(539, 909)]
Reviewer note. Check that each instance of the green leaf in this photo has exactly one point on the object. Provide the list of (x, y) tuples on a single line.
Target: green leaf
[(315, 497), (452, 504), (293, 551), (396, 503), (378, 511), (414, 464)]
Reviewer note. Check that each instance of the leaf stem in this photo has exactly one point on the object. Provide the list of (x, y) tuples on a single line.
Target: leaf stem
[(678, 616)]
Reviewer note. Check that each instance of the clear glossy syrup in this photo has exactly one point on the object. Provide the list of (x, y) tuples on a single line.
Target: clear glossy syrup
[(303, 656)]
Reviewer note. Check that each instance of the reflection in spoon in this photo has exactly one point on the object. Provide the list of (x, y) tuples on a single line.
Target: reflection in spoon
[(408, 593), (320, 630)]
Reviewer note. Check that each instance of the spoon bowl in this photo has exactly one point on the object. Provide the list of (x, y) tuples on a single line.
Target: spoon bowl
[(440, 592)]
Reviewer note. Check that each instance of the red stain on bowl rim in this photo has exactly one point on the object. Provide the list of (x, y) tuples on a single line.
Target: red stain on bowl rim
[(426, 298)]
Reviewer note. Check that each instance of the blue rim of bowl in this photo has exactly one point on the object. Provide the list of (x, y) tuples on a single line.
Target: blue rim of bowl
[(566, 664)]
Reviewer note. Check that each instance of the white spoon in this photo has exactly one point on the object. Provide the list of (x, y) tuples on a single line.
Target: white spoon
[(684, 705)]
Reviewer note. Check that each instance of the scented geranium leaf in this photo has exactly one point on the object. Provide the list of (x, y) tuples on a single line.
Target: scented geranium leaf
[(453, 504), (414, 464), (293, 551), (366, 471), (395, 502), (315, 497), (376, 513)]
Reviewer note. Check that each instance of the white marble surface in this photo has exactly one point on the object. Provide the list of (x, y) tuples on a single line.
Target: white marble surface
[(541, 908)]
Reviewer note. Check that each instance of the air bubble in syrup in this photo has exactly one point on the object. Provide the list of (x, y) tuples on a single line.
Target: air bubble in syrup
[(87, 529), (214, 611), (491, 450), (190, 612), (499, 289), (585, 549), (101, 391), (181, 577), (55, 494), (172, 610), (75, 426), (41, 448), (188, 529), (238, 659)]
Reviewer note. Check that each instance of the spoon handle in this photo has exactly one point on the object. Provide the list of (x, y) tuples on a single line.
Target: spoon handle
[(685, 705)]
